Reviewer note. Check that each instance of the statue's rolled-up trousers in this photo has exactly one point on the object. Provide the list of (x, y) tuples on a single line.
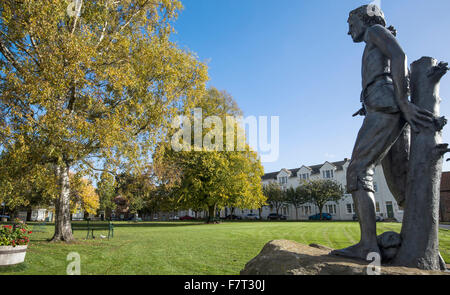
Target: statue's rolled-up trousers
[(383, 139)]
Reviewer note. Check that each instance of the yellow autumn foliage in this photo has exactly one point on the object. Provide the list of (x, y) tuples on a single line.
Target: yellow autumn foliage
[(80, 90), (83, 196)]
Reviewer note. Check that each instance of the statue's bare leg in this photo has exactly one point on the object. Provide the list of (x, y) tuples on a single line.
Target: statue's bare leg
[(365, 208), (375, 139)]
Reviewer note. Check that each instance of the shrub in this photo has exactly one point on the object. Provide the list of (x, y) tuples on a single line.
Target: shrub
[(15, 235)]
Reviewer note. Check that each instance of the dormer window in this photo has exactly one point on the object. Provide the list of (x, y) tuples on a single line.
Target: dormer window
[(304, 176), (328, 174), (283, 180)]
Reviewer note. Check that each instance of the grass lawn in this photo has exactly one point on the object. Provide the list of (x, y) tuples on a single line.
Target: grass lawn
[(185, 248)]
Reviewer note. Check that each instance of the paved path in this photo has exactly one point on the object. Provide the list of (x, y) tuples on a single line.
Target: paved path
[(445, 226)]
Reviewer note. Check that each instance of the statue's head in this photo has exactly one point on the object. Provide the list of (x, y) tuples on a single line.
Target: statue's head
[(362, 18)]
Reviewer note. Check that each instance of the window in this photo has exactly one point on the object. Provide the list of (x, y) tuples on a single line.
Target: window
[(378, 207), (350, 208), (304, 176), (283, 180), (328, 174), (307, 210), (331, 209)]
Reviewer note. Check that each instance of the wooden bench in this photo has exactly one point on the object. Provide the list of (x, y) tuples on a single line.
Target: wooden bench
[(91, 226)]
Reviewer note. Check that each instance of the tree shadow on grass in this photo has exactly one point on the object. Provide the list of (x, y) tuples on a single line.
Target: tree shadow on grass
[(158, 224)]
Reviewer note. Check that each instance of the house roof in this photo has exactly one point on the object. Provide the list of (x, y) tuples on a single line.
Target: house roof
[(445, 181), (315, 169)]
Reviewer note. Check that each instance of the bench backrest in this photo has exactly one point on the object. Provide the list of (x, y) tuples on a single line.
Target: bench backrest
[(92, 224)]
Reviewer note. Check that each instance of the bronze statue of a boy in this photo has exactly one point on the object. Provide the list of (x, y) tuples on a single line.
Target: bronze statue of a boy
[(384, 136)]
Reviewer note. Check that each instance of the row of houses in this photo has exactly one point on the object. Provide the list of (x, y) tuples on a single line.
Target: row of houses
[(386, 205)]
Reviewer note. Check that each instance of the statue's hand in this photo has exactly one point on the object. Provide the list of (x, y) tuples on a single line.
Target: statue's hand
[(360, 112), (417, 116)]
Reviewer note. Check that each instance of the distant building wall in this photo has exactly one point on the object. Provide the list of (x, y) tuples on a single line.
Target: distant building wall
[(386, 205), (444, 212)]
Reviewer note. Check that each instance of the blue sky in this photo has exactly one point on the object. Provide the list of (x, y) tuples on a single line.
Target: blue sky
[(294, 59)]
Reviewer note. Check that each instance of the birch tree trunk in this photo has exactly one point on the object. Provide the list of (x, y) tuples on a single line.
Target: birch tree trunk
[(63, 230), (420, 243)]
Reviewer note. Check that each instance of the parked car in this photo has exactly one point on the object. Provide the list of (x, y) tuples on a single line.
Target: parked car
[(134, 218), (275, 216), (325, 216), (174, 218), (378, 218), (252, 216), (233, 217), (187, 217)]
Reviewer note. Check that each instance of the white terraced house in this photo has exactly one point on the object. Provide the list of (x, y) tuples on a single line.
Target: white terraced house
[(386, 206)]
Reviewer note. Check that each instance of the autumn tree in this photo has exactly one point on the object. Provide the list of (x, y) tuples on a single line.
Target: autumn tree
[(24, 183), (275, 195), (106, 190), (321, 191), (213, 176), (27, 184), (83, 195), (297, 197), (98, 83), (137, 189)]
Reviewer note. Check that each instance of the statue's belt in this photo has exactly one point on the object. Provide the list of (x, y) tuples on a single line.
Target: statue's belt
[(383, 77)]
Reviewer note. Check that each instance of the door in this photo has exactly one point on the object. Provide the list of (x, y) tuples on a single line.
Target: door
[(390, 209)]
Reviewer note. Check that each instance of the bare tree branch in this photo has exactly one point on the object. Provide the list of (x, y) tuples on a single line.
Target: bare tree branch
[(9, 56), (98, 169)]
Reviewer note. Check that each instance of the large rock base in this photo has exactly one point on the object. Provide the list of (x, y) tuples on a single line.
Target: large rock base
[(283, 257)]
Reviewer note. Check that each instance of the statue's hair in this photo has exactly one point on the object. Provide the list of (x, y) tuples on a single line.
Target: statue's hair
[(370, 15)]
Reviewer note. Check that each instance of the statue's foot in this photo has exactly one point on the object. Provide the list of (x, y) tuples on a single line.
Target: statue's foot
[(358, 251)]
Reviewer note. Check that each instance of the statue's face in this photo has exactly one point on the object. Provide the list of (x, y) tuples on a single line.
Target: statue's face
[(357, 28)]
